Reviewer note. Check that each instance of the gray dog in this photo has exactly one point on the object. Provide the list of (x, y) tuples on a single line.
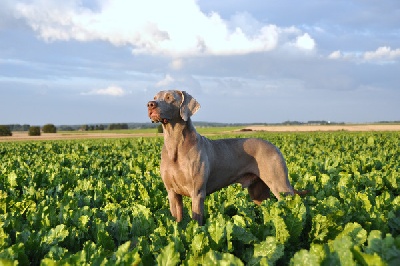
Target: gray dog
[(194, 166)]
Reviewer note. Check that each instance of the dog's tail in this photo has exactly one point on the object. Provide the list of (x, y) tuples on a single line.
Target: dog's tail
[(302, 192)]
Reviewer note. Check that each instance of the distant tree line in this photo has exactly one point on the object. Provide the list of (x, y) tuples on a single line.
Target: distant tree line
[(118, 126), (92, 127), (388, 122), (6, 130), (18, 127), (103, 127)]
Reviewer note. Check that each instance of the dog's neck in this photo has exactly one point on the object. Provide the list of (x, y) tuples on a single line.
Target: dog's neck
[(175, 130), (179, 135)]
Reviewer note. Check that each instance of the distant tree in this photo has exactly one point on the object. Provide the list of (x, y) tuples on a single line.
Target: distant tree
[(5, 131), (49, 128), (160, 129), (34, 131), (84, 128)]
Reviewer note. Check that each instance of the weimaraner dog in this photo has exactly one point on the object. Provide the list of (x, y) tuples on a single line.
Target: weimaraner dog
[(194, 166)]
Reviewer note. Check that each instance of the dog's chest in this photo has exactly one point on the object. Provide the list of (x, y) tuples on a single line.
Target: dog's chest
[(176, 178)]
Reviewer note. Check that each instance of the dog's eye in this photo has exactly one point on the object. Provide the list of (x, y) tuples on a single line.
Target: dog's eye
[(168, 98)]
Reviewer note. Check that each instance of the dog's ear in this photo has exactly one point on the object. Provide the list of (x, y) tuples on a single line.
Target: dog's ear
[(189, 106)]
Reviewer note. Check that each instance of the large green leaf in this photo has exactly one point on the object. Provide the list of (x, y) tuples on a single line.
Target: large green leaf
[(168, 256), (269, 250), (55, 235)]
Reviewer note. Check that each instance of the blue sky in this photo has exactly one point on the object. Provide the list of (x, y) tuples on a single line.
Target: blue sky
[(94, 61)]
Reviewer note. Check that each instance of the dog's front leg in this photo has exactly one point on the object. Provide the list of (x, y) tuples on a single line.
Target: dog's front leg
[(175, 205), (198, 206)]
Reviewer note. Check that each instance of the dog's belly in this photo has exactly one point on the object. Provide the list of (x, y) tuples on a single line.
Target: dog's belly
[(244, 171), (236, 161)]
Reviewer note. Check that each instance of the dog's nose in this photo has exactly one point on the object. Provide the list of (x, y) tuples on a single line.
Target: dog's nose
[(152, 104)]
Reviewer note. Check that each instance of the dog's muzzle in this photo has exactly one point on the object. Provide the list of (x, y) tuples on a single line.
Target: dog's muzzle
[(151, 106)]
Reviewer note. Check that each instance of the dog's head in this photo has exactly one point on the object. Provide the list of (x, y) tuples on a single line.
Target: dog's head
[(172, 106)]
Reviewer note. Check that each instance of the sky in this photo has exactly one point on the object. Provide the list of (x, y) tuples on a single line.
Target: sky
[(245, 61)]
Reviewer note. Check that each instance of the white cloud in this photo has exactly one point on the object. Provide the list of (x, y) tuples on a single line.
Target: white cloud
[(305, 42), (166, 81), (335, 55), (154, 27), (382, 53), (109, 91)]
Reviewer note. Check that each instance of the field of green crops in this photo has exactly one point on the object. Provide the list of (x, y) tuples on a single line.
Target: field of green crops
[(102, 202)]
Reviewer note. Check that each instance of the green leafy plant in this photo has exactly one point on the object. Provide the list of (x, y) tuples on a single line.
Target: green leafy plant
[(102, 202)]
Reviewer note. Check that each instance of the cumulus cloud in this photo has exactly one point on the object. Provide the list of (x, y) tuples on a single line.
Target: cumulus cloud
[(335, 55), (153, 27), (305, 42), (166, 81), (109, 91), (382, 54)]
